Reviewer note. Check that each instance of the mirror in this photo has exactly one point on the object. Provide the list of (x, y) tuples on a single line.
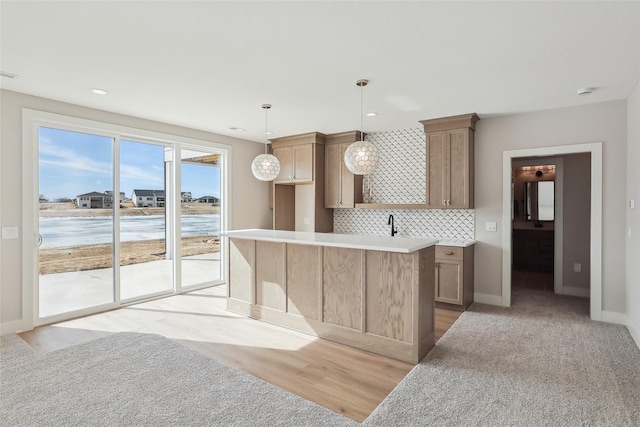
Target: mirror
[(539, 200)]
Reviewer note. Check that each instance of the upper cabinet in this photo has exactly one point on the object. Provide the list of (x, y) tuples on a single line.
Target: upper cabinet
[(298, 192), (343, 189), (450, 161), (296, 156)]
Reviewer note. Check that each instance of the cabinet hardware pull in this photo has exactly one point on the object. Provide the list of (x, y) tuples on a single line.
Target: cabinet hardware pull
[(448, 253)]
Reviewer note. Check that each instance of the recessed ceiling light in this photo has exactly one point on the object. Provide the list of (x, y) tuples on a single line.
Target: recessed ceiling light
[(585, 91), (99, 91), (237, 129), (371, 114)]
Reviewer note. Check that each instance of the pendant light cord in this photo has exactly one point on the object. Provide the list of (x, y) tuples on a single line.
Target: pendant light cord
[(361, 113), (266, 108)]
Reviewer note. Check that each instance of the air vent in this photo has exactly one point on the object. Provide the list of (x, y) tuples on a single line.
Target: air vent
[(8, 75)]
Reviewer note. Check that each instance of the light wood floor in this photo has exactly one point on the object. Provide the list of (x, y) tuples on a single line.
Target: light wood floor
[(348, 381)]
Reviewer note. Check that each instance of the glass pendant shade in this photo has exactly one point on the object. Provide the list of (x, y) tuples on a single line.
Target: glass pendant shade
[(265, 167), (361, 158)]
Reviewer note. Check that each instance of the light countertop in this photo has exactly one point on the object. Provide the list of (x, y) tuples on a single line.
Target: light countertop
[(352, 241), (458, 243)]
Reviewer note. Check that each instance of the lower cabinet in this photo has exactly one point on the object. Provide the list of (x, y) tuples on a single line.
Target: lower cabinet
[(454, 277)]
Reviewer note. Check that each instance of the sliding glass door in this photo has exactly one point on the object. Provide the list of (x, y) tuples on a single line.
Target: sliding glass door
[(75, 218), (118, 220)]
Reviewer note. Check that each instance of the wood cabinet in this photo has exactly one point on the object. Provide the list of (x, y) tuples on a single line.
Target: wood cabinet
[(296, 164), (454, 276), (450, 161), (298, 192), (533, 250), (343, 189)]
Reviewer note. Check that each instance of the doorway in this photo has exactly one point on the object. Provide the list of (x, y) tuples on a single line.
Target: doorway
[(594, 217), (534, 223)]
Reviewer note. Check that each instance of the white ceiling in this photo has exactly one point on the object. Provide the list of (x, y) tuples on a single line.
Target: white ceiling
[(210, 65)]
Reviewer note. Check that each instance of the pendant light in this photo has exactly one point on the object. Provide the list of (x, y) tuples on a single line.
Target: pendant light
[(361, 157), (266, 167)]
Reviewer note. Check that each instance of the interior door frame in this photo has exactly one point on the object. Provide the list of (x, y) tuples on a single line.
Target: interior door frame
[(32, 120), (595, 149)]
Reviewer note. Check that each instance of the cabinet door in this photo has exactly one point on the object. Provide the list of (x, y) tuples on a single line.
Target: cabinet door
[(348, 182), (303, 163), (457, 164), (449, 169), (449, 281), (332, 172), (285, 156), (436, 158)]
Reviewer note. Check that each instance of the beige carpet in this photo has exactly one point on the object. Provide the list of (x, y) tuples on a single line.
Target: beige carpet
[(133, 379), (14, 348), (541, 362)]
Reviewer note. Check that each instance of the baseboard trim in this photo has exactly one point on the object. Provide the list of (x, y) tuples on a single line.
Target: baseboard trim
[(634, 331), (576, 292), (10, 327), (614, 317), (487, 299)]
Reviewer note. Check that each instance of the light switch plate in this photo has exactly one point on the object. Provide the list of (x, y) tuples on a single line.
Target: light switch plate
[(10, 233), (491, 226)]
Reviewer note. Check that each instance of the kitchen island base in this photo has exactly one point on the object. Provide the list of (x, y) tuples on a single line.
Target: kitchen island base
[(374, 300)]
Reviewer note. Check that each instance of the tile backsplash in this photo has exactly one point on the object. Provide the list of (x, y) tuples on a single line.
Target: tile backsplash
[(400, 179), (449, 224)]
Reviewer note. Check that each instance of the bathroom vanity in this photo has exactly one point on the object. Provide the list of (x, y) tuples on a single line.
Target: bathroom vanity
[(370, 292)]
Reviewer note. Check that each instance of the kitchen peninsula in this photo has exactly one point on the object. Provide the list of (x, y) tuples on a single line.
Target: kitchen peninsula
[(370, 292)]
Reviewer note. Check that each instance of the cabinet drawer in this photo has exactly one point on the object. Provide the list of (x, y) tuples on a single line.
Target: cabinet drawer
[(449, 252)]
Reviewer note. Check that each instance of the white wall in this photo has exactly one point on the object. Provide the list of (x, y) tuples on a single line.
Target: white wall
[(633, 215), (603, 122), (249, 197)]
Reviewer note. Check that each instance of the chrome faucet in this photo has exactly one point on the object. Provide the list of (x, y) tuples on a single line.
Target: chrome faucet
[(394, 230)]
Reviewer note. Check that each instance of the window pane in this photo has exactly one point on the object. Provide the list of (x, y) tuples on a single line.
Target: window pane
[(200, 222), (75, 221), (145, 251)]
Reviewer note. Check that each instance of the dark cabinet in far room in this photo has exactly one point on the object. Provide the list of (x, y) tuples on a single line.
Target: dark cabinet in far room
[(533, 250)]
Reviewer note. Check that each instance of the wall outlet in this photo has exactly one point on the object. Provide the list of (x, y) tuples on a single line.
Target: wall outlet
[(577, 267), (306, 221), (491, 226), (10, 233), (632, 203)]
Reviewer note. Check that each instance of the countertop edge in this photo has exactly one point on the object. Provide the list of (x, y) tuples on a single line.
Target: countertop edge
[(457, 243), (413, 244)]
